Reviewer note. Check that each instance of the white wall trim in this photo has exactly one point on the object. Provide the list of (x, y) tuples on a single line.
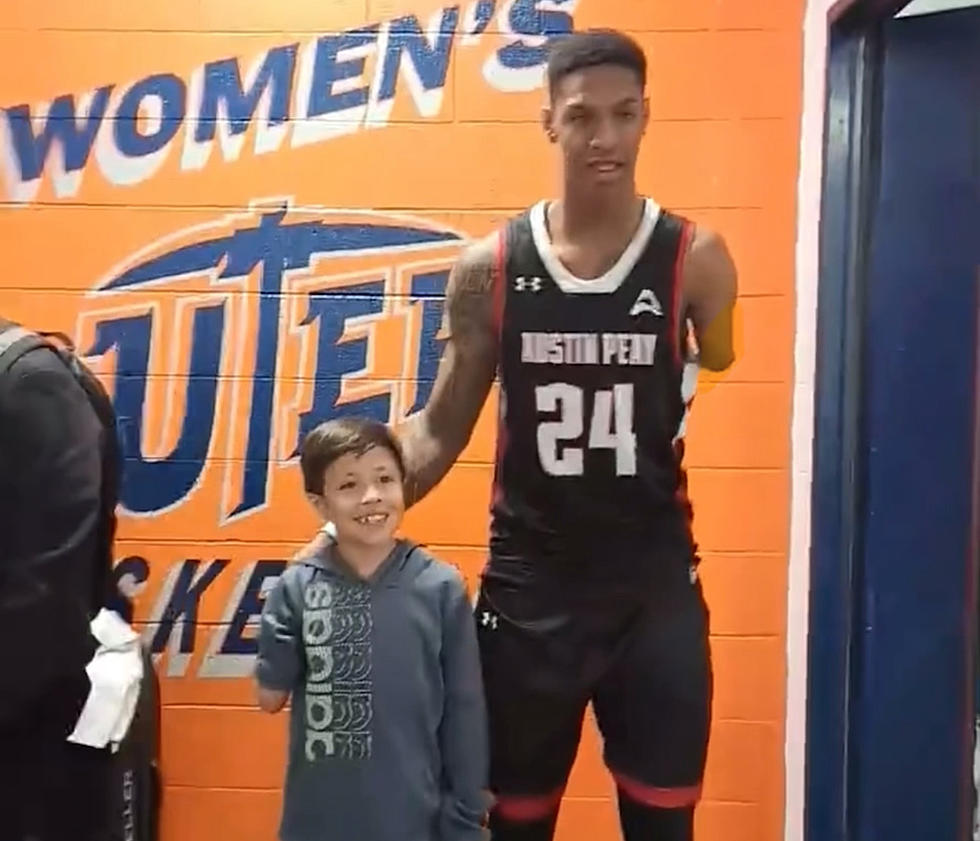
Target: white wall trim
[(815, 30)]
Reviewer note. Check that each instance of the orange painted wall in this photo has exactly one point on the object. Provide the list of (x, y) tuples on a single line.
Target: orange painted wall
[(459, 153)]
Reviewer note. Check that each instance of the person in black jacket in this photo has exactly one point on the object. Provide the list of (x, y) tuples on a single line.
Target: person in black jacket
[(52, 534)]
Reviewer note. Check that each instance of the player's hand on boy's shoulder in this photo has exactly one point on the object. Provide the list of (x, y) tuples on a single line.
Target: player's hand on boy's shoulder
[(317, 546)]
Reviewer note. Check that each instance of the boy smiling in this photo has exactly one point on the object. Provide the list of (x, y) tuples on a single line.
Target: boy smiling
[(374, 639)]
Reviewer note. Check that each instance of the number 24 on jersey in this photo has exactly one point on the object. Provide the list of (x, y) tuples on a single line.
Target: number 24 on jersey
[(610, 427)]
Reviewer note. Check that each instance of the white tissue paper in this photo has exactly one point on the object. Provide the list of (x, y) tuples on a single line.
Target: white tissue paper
[(115, 672)]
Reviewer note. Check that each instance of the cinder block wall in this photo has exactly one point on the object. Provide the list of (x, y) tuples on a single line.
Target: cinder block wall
[(148, 153)]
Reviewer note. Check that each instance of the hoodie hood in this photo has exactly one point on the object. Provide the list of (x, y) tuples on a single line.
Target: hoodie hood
[(402, 564)]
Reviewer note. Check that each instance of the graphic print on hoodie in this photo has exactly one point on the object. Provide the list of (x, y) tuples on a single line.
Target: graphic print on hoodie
[(387, 700), (337, 641)]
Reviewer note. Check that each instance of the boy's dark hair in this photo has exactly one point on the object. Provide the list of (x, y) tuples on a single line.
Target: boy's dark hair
[(332, 439), (591, 48)]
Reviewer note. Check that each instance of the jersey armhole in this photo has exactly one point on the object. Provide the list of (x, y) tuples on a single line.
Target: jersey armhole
[(677, 292), (499, 300), (498, 286)]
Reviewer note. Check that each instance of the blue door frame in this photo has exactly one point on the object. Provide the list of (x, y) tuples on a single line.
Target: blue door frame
[(837, 691)]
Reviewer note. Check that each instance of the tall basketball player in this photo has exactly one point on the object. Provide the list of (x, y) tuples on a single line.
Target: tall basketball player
[(591, 592)]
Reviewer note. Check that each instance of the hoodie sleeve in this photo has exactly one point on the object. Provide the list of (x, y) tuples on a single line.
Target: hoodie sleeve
[(279, 660), (463, 730)]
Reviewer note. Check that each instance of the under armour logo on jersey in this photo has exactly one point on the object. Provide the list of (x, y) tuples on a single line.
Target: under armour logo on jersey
[(522, 284), (489, 620), (646, 301)]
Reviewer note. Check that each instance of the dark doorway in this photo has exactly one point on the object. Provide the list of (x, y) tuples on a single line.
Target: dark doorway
[(892, 667)]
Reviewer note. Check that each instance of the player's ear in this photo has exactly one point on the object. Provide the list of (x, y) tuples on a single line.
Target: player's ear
[(547, 122), (646, 113)]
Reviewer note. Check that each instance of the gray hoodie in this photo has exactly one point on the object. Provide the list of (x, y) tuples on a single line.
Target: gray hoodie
[(387, 738)]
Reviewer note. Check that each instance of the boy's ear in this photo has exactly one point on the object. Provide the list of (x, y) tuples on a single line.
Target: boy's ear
[(319, 504)]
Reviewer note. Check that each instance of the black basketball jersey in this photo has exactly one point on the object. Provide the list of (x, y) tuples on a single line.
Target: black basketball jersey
[(594, 393)]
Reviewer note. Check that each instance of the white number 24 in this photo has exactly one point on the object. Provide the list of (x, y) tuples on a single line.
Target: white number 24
[(611, 427)]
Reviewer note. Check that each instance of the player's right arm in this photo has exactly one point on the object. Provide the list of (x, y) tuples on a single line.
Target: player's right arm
[(433, 438)]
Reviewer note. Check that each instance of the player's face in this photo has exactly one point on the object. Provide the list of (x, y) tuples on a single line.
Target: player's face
[(363, 497), (598, 116)]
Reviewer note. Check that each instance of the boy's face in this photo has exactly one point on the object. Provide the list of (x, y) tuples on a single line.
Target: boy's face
[(363, 497)]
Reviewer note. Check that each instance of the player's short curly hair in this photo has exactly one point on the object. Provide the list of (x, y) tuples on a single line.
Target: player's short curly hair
[(591, 48)]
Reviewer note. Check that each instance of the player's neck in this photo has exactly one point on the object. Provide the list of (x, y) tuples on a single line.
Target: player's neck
[(590, 211)]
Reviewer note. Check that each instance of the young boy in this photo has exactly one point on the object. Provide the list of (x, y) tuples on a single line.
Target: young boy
[(375, 641)]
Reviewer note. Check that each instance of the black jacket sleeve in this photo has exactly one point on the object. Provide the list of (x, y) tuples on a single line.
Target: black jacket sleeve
[(50, 478)]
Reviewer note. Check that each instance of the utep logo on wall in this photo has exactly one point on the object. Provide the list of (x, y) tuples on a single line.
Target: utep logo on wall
[(224, 344), (310, 92)]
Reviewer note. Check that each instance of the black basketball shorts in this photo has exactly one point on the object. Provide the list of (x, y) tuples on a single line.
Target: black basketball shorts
[(642, 660)]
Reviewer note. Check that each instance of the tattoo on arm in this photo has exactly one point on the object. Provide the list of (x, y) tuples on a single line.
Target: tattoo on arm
[(433, 439)]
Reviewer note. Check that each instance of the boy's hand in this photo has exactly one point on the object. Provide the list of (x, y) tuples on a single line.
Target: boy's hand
[(271, 700)]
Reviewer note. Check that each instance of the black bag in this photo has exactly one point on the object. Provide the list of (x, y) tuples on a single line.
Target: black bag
[(135, 796), (135, 792)]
